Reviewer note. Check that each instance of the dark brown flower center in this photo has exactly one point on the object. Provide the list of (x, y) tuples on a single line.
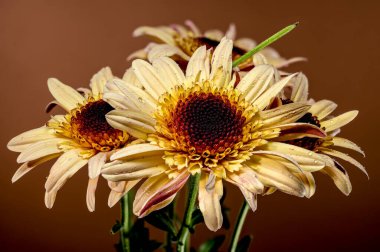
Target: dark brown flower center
[(208, 122), (89, 126)]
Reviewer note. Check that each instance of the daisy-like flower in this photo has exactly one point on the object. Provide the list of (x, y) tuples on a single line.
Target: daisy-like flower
[(180, 42), (198, 122), (319, 115), (80, 137)]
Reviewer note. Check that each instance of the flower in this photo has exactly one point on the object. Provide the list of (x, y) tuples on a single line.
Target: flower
[(180, 42), (320, 116), (80, 137), (198, 122)]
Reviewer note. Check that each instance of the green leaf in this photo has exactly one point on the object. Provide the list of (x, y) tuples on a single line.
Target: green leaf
[(161, 220), (116, 228), (212, 245), (243, 244)]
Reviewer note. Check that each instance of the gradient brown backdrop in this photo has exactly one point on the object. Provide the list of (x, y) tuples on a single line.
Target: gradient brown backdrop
[(71, 40)]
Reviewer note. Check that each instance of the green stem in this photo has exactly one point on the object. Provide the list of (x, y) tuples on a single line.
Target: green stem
[(186, 223), (238, 226), (125, 222), (264, 44)]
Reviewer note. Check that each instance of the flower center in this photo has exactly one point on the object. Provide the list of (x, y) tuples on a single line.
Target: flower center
[(208, 123), (90, 128)]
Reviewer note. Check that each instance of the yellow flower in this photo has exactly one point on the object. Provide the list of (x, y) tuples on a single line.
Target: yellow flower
[(319, 115), (80, 137), (180, 42), (198, 122)]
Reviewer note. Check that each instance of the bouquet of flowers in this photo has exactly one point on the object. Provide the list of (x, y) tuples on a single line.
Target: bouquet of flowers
[(195, 110)]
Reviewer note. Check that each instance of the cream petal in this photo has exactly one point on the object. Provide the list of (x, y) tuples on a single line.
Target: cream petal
[(96, 163), (40, 149), (28, 166), (340, 177), (131, 78), (139, 54), (149, 78), (133, 165), (138, 99), (339, 121), (250, 197), (210, 192), (199, 65), (287, 158), (306, 159), (63, 169), (265, 98), (256, 81), (90, 195), (345, 143), (118, 101), (169, 71), (115, 196), (231, 32), (99, 80), (221, 63), (308, 182), (50, 198), (246, 178), (216, 35), (322, 108), (292, 131), (65, 95), (155, 33), (165, 50), (284, 114), (259, 59), (26, 139), (275, 174), (157, 192), (136, 151), (344, 157), (137, 174), (300, 90), (246, 44), (118, 120), (280, 63), (195, 30)]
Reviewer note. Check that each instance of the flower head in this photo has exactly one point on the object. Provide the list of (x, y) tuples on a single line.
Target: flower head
[(198, 122), (80, 137), (180, 43)]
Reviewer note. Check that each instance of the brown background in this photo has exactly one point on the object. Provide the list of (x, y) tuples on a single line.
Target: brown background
[(71, 40)]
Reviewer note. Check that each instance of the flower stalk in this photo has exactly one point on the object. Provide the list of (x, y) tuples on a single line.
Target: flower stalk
[(187, 223), (238, 226), (125, 222), (264, 44)]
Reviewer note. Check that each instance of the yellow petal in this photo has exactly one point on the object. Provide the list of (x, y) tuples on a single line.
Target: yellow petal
[(339, 121), (66, 96)]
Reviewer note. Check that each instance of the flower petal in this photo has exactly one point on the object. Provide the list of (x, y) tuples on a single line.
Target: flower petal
[(300, 91), (340, 177), (308, 181), (256, 81), (222, 60), (198, 68), (90, 195), (322, 108), (26, 139), (339, 121), (115, 196), (63, 169), (210, 192), (137, 150), (99, 80), (284, 114), (169, 71), (250, 197), (95, 164), (40, 149), (345, 143), (165, 50), (50, 198), (65, 95), (156, 33), (265, 98), (157, 192)]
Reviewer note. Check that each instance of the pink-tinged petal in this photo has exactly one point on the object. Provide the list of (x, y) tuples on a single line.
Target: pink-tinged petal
[(246, 178), (250, 197), (210, 192), (157, 192), (90, 196), (299, 130)]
